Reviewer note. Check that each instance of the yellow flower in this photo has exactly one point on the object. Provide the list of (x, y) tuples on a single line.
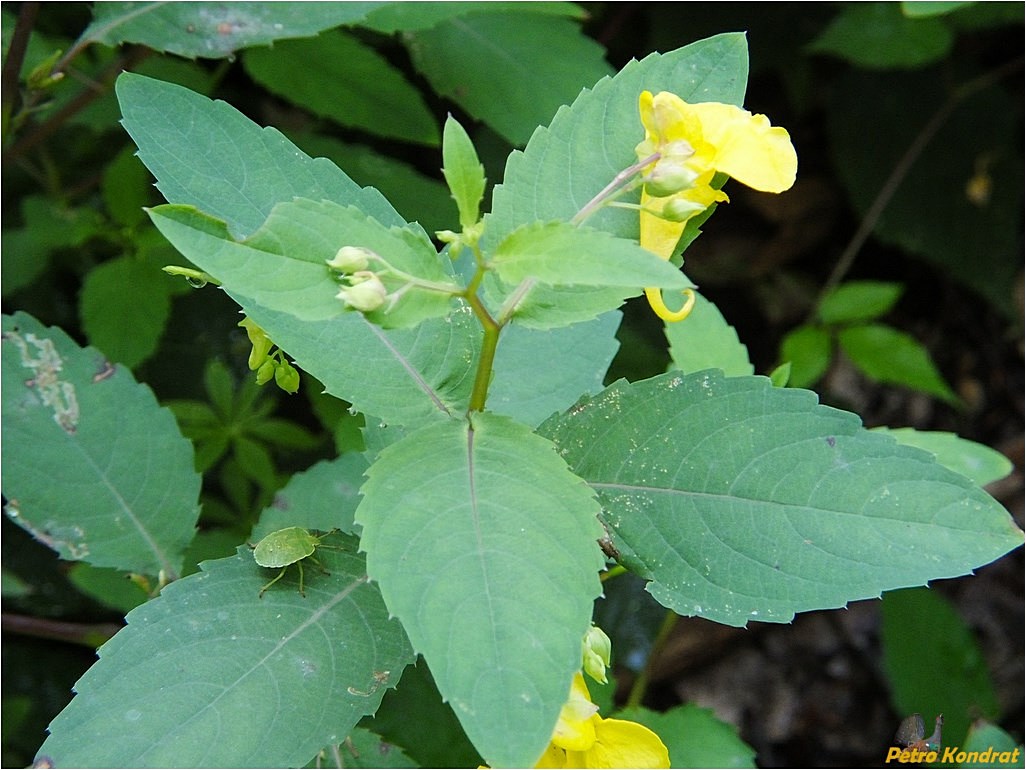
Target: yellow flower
[(582, 738), (694, 142)]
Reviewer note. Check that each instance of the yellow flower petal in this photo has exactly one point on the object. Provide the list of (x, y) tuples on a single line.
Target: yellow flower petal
[(554, 757), (625, 744), (748, 148), (575, 729)]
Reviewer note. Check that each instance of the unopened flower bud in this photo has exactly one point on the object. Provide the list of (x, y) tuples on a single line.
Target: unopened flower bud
[(351, 259), (596, 649), (669, 176), (366, 292), (680, 210), (265, 372), (286, 377)]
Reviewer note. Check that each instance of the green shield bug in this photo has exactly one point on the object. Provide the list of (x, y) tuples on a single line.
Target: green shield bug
[(292, 545)]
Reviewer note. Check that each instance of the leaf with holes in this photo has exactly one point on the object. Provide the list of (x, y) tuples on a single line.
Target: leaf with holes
[(741, 501), (92, 465), (210, 675)]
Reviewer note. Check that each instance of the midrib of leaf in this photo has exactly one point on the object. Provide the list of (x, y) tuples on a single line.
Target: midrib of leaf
[(415, 375), (314, 618), (157, 551), (486, 581), (98, 33)]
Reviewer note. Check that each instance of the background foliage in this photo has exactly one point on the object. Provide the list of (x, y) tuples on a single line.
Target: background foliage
[(906, 128)]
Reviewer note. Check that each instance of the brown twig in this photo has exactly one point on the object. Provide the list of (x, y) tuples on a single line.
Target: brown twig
[(88, 634)]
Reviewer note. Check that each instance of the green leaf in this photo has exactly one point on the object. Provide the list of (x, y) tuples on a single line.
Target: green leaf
[(418, 198), (47, 226), (435, 738), (213, 157), (576, 357), (891, 356), (984, 737), (215, 30), (586, 145), (126, 188), (694, 736), (939, 672), (859, 301), (210, 675), (410, 17), (329, 75), (463, 171), (922, 8), (974, 461), (809, 350), (740, 501), (282, 266), (111, 587), (484, 547), (510, 70), (125, 305), (563, 254), (323, 497), (364, 749), (704, 340), (402, 376), (92, 466), (879, 36)]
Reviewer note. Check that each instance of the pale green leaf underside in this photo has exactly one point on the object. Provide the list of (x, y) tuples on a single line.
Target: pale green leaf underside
[(169, 688), (213, 157), (282, 266), (561, 254), (704, 340), (92, 465), (742, 502), (215, 30), (484, 547)]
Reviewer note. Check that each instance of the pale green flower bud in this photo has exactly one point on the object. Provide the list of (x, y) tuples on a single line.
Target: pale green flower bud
[(265, 372), (286, 377), (669, 176), (366, 292), (681, 210), (351, 259), (596, 650)]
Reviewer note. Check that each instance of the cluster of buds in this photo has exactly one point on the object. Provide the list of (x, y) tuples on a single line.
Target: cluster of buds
[(361, 289), (268, 361)]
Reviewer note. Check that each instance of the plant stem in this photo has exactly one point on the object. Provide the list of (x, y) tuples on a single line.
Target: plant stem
[(88, 634), (621, 183), (637, 692), (489, 341)]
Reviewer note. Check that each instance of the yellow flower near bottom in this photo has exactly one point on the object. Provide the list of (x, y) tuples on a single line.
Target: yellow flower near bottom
[(582, 738)]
